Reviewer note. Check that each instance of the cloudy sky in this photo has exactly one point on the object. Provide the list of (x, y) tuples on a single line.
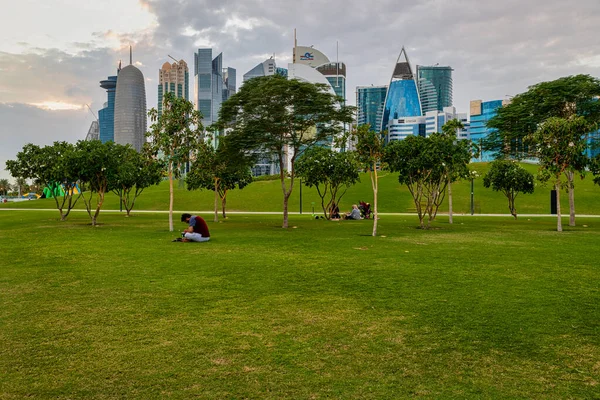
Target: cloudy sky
[(54, 53)]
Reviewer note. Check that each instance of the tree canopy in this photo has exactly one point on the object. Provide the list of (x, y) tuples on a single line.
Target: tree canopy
[(509, 178)]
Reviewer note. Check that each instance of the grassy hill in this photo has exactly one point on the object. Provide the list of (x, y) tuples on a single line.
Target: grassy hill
[(267, 196)]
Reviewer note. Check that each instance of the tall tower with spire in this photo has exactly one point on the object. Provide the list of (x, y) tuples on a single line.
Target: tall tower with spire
[(402, 99), (130, 106)]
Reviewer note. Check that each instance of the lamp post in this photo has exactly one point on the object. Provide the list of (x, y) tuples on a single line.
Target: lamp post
[(300, 195), (472, 195)]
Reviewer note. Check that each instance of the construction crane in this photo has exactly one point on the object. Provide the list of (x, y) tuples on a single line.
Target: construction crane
[(173, 58), (92, 112)]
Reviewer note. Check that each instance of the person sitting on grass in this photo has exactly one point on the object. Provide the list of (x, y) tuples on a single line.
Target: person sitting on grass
[(334, 212), (197, 231), (354, 214)]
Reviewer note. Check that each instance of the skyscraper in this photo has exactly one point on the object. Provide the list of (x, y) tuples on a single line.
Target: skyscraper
[(265, 68), (402, 98), (209, 84), (369, 102), (435, 87), (130, 107), (173, 78), (481, 113), (106, 116), (229, 81)]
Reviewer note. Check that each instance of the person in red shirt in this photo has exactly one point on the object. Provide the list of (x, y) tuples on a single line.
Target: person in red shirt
[(197, 230)]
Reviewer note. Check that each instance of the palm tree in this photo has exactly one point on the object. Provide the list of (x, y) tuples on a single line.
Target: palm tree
[(451, 129), (4, 186)]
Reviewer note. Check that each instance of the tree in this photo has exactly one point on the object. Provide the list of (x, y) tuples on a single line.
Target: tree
[(4, 186), (330, 172), (370, 152), (451, 129), (595, 169), (560, 144), (509, 178), (516, 123), (49, 166), (283, 118), (135, 172), (220, 171), (96, 165), (175, 135)]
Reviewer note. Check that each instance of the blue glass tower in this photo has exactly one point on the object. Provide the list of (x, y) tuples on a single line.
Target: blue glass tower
[(481, 113), (369, 102), (106, 116), (402, 98)]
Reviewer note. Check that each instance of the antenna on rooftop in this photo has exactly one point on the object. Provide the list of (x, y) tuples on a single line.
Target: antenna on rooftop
[(173, 58), (130, 55)]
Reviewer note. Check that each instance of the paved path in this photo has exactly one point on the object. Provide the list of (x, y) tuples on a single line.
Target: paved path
[(292, 213)]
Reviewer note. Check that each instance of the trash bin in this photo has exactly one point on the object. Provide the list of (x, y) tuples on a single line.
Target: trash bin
[(553, 202)]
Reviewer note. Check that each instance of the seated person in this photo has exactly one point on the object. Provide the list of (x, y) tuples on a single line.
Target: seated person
[(354, 214), (334, 212), (197, 231)]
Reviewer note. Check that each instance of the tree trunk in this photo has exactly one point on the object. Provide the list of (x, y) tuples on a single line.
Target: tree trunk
[(223, 203), (571, 191), (449, 201), (216, 218), (171, 195), (374, 183), (559, 221), (285, 210), (98, 207)]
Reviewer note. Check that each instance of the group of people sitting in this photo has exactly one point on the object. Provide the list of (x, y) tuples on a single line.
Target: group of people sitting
[(357, 212)]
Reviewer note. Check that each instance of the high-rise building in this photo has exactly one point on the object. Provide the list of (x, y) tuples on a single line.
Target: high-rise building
[(229, 81), (173, 78), (209, 84), (481, 113), (435, 87), (106, 116), (130, 107), (265, 68), (402, 99), (369, 102), (426, 125)]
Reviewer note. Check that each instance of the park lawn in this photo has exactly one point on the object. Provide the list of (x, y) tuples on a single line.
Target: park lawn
[(483, 308), (393, 198)]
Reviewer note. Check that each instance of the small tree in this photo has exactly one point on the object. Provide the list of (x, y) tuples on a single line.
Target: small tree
[(174, 136), (369, 149), (330, 172), (4, 186), (595, 169), (135, 172), (451, 129), (49, 166), (509, 178), (220, 171), (283, 118), (96, 164), (560, 146)]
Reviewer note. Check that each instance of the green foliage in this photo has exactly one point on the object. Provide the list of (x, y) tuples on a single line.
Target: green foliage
[(282, 118), (49, 166), (4, 186), (562, 98), (330, 172), (135, 172), (595, 169), (219, 170), (452, 127), (425, 165), (509, 178)]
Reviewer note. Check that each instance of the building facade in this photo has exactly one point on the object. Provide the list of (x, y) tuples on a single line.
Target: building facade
[(130, 108), (369, 102), (426, 125), (173, 78), (435, 87), (402, 99), (106, 116), (229, 82), (481, 112)]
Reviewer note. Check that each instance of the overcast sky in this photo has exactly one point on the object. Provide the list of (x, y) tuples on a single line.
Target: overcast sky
[(54, 53)]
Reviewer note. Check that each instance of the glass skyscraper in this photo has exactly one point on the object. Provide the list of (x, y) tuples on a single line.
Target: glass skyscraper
[(402, 98), (481, 113), (106, 116), (435, 87), (369, 102)]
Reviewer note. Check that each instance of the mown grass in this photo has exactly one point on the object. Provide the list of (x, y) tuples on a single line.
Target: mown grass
[(267, 196), (483, 308)]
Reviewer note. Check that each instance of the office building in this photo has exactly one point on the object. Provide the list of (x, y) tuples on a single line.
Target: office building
[(173, 78), (426, 125), (106, 116), (130, 107), (402, 99), (265, 68), (229, 80), (481, 112), (435, 87), (209, 85), (369, 102)]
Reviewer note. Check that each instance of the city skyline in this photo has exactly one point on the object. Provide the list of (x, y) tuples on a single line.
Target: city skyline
[(50, 67)]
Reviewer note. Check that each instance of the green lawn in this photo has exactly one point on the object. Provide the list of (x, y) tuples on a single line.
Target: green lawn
[(267, 196), (483, 308)]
